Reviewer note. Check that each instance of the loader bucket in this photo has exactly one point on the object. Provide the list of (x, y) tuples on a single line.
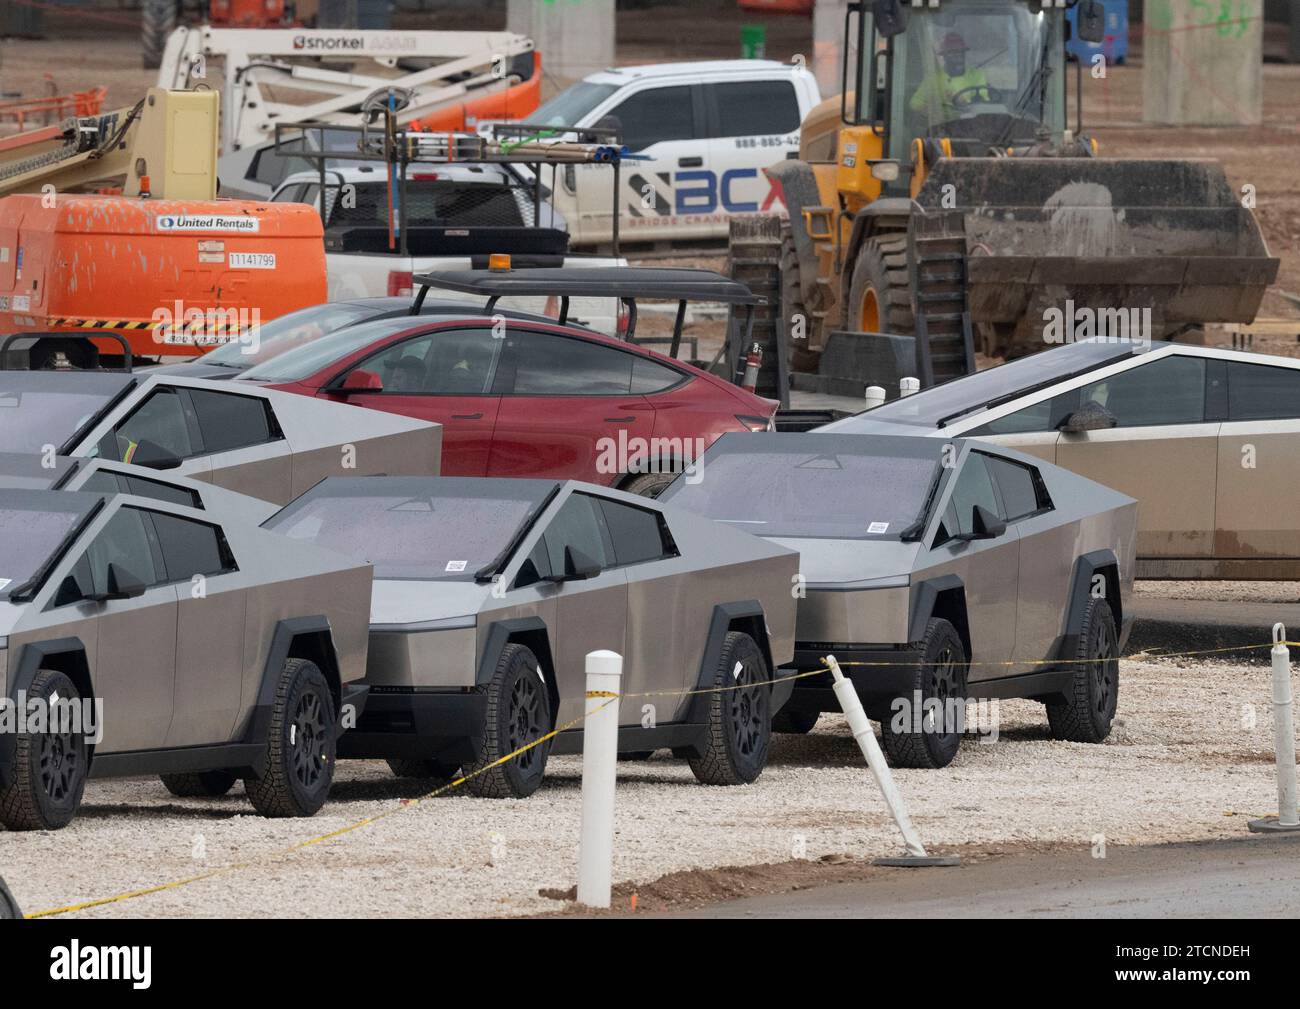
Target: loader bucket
[(1105, 234)]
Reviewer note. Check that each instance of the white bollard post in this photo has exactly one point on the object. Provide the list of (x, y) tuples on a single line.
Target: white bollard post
[(907, 386), (599, 771), (1288, 817), (875, 396), (860, 726)]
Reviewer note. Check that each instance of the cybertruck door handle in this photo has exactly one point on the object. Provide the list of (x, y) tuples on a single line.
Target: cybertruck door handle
[(467, 416), (689, 162)]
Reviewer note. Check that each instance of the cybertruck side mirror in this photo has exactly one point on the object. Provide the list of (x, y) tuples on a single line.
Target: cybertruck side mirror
[(1092, 21), (984, 525), (890, 17), (153, 455), (1092, 416), (121, 585), (577, 567)]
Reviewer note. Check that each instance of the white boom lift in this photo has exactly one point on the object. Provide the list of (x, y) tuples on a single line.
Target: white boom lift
[(332, 71)]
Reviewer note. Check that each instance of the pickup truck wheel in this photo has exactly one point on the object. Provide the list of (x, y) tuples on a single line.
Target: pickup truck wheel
[(300, 745), (518, 713), (940, 679), (209, 784), (1087, 714), (49, 768), (795, 721), (740, 716), (429, 770)]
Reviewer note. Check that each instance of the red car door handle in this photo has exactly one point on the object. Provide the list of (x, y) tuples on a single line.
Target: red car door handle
[(466, 416), (619, 420)]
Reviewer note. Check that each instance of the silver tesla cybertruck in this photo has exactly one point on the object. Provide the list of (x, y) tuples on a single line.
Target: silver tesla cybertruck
[(138, 636), (262, 442), (489, 593), (936, 571)]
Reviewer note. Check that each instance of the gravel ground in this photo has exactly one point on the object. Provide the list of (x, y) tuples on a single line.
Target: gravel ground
[(1190, 758)]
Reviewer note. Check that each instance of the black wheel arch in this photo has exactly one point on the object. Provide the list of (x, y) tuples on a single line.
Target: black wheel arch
[(1086, 568), (745, 616), (64, 655), (532, 633), (310, 638), (943, 597)]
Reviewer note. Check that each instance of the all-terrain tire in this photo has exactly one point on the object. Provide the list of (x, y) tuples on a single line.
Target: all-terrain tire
[(8, 906), (518, 713), (795, 721), (940, 676), (300, 745), (426, 770), (203, 784), (740, 717), (881, 270), (157, 22), (49, 769), (1087, 714)]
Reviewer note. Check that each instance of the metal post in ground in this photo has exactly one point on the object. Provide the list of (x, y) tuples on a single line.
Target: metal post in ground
[(874, 396), (599, 770), (860, 726), (908, 386), (1287, 818)]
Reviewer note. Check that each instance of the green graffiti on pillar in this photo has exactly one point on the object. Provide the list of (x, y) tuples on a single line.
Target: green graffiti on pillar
[(1161, 14)]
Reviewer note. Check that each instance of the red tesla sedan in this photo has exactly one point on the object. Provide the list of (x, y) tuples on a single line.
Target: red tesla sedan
[(523, 396)]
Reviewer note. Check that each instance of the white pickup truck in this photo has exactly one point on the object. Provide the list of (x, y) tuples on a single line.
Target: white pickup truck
[(706, 129), (456, 216)]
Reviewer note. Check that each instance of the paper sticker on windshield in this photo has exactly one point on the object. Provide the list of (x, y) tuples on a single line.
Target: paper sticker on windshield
[(878, 527), (456, 565)]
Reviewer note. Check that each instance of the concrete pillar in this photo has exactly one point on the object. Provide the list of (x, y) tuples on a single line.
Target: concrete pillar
[(1202, 67), (828, 44), (575, 37)]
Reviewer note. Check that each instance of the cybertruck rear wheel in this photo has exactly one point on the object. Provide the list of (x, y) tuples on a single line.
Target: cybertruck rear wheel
[(426, 770), (740, 716), (518, 713), (300, 745), (204, 784), (1087, 714), (930, 736), (49, 767)]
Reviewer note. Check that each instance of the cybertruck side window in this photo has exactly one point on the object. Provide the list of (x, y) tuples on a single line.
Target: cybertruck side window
[(639, 534), (229, 421), (1261, 392), (159, 420), (1168, 391), (974, 487), (104, 482), (125, 542), (191, 548), (1022, 487), (579, 524)]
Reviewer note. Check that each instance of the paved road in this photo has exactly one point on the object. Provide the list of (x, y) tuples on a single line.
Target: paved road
[(1256, 876), (1189, 624)]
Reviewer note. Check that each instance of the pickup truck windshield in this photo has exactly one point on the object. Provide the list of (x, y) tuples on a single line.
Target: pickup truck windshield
[(40, 408), (33, 525)]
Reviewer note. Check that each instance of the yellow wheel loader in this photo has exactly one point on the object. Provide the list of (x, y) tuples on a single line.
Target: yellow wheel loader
[(942, 204)]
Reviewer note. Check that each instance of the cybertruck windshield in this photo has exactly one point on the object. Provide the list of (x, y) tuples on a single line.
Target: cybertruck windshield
[(983, 73), (47, 408), (440, 529), (964, 397), (813, 486), (33, 528)]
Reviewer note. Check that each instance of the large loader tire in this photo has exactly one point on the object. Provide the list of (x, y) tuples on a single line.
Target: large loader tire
[(802, 356), (880, 298), (157, 21)]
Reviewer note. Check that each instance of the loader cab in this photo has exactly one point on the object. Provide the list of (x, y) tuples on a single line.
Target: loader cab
[(968, 78)]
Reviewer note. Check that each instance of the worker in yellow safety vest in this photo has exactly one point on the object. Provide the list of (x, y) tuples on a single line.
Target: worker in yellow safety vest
[(950, 86)]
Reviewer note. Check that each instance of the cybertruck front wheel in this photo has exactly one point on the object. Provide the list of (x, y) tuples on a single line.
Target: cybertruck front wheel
[(518, 713), (1087, 713), (49, 770), (740, 716), (300, 745), (928, 735), (204, 784)]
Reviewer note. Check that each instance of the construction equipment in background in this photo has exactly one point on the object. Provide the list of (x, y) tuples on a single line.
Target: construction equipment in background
[(159, 18), (111, 224), (51, 107), (942, 203), (324, 75)]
